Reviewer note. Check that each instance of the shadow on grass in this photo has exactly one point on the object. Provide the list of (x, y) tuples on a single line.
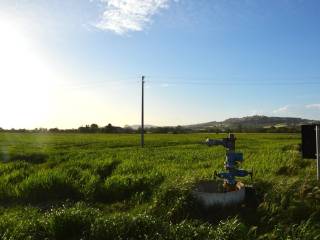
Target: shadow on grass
[(105, 169), (34, 158), (119, 188)]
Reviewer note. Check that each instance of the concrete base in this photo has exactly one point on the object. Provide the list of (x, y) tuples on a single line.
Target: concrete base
[(211, 194)]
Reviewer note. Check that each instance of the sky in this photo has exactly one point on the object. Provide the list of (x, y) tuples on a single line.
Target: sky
[(70, 63)]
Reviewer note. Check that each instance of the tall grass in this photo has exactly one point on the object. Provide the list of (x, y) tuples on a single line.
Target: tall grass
[(95, 186)]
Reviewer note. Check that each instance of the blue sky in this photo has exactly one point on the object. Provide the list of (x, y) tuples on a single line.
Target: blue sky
[(79, 61)]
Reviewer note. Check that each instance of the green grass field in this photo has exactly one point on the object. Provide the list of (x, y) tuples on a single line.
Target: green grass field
[(103, 186)]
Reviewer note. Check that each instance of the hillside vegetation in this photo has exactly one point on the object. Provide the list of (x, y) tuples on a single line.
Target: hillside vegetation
[(254, 122), (104, 186)]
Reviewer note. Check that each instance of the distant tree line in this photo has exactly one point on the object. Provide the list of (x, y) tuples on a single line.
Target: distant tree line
[(94, 128)]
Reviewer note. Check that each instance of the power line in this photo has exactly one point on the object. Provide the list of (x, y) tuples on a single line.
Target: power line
[(275, 78), (236, 83), (210, 80), (176, 80), (93, 84)]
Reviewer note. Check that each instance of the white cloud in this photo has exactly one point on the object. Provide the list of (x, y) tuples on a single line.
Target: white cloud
[(283, 109), (166, 85), (256, 112), (313, 106), (123, 16)]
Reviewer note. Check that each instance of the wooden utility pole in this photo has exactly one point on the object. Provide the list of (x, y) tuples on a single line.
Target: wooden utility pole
[(318, 150), (142, 111)]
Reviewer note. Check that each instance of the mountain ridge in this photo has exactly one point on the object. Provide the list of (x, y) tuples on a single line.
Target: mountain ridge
[(254, 121)]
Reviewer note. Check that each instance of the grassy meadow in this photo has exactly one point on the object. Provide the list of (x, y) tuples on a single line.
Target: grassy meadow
[(104, 186)]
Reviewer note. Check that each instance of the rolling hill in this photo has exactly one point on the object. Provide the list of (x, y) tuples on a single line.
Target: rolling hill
[(256, 121)]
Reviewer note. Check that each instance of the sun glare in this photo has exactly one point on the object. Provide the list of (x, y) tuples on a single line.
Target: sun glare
[(25, 79)]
